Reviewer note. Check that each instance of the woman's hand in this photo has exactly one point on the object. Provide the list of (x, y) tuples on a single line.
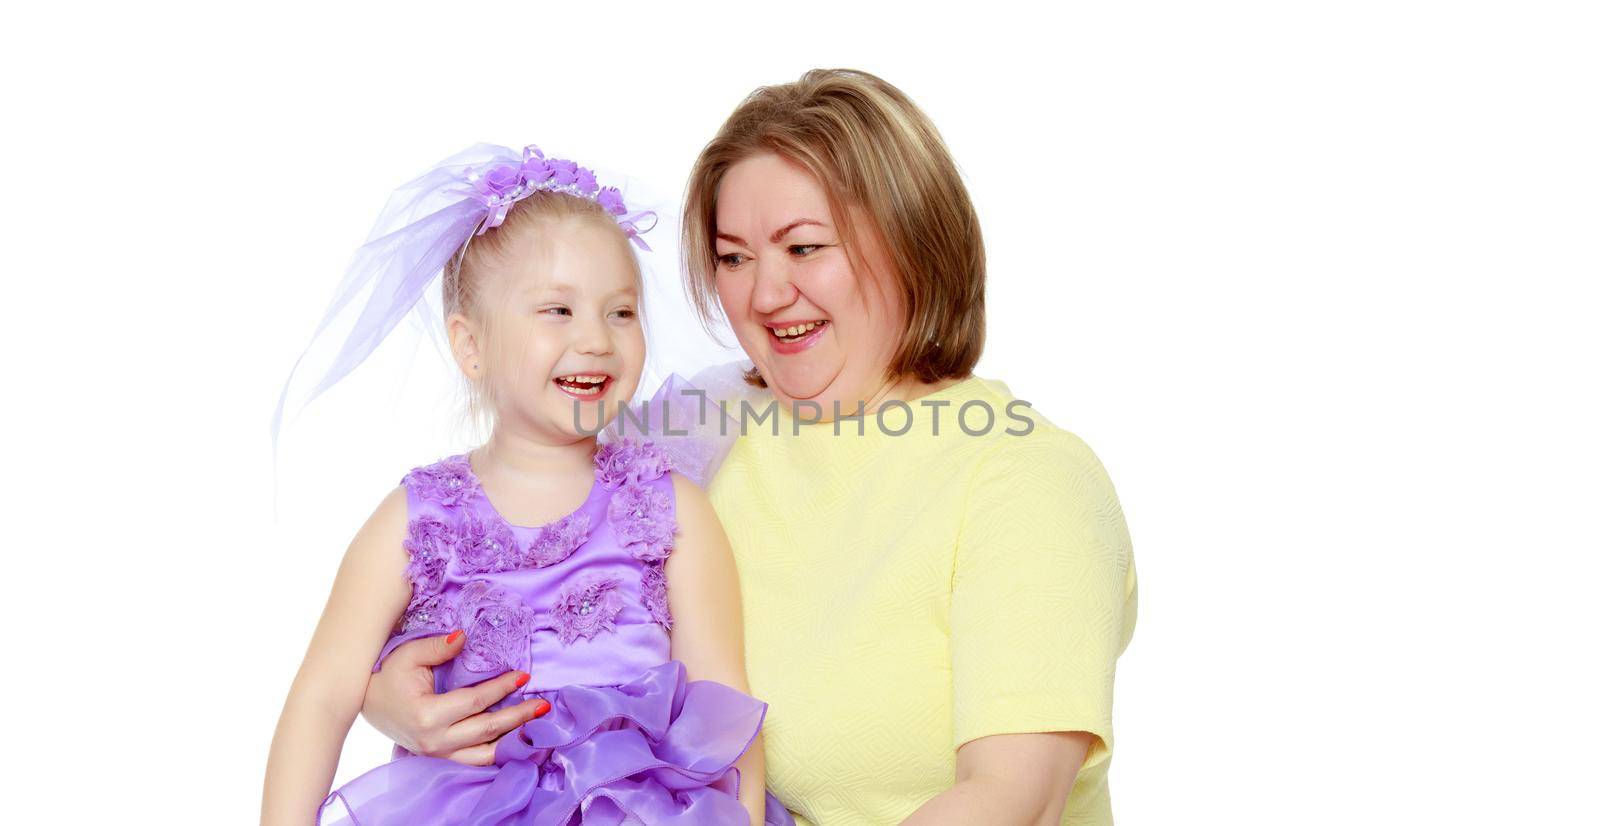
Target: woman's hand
[(401, 704)]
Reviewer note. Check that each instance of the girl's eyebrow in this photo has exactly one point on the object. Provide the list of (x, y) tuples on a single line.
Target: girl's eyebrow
[(564, 290), (545, 289)]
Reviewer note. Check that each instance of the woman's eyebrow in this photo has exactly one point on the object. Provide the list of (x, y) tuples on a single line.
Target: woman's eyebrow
[(778, 236)]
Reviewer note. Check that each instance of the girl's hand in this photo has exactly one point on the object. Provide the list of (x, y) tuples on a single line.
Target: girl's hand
[(401, 704)]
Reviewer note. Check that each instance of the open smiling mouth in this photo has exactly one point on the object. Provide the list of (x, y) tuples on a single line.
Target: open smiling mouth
[(584, 385), (796, 337)]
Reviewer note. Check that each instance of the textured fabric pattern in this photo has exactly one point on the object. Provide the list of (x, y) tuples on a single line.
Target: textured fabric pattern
[(580, 604), (906, 594)]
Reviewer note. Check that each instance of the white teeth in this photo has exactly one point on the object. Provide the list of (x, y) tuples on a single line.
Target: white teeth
[(595, 382), (786, 332)]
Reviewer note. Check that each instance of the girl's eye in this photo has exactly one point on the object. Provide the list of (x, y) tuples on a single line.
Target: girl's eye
[(623, 313), (557, 310), (732, 259), (803, 250)]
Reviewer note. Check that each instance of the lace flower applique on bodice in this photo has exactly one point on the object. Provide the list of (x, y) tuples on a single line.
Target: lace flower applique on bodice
[(583, 577)]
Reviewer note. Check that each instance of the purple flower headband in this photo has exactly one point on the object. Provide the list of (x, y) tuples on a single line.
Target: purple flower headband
[(425, 224), (503, 185)]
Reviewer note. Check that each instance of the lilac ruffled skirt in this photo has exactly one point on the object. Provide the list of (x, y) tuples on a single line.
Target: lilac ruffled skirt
[(657, 750)]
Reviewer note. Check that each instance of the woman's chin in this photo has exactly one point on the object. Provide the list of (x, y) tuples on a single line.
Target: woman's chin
[(813, 397), (802, 389)]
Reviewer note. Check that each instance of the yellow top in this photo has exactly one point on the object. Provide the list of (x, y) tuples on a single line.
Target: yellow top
[(906, 594)]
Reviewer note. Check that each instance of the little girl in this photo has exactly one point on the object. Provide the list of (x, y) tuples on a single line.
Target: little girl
[(551, 554)]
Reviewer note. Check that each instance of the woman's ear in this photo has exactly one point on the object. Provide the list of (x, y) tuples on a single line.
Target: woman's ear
[(464, 345)]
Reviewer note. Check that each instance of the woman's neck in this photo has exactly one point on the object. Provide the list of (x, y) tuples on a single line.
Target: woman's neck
[(906, 389)]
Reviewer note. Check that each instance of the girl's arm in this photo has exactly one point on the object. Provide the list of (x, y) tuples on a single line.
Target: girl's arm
[(1013, 779), (369, 594), (707, 621)]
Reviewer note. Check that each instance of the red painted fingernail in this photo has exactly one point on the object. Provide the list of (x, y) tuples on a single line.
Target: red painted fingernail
[(454, 635), (541, 708), (522, 679)]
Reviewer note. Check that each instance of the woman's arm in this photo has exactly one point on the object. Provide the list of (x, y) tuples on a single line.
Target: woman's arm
[(1006, 779), (707, 620), (1042, 601), (368, 595)]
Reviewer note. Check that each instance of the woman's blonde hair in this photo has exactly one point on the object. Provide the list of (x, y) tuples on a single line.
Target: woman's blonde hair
[(466, 282), (871, 148)]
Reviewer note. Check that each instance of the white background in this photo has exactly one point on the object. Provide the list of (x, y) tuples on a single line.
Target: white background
[(1318, 283)]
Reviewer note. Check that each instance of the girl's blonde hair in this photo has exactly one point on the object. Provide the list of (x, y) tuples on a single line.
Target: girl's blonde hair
[(467, 283), (870, 147)]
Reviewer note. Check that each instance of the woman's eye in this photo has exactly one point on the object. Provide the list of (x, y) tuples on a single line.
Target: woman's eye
[(803, 250), (732, 259)]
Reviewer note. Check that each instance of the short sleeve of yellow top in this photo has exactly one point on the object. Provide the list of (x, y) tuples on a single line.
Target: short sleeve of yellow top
[(905, 594)]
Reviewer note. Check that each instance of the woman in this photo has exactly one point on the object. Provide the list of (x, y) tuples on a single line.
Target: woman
[(937, 582)]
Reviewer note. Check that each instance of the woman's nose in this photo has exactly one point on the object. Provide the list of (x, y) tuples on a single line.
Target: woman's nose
[(774, 289)]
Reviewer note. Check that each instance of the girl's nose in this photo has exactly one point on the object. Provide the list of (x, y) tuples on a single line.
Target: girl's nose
[(774, 289), (593, 338)]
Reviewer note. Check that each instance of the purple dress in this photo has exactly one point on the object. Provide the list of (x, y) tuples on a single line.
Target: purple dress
[(580, 604)]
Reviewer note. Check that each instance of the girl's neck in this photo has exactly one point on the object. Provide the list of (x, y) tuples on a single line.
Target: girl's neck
[(513, 456)]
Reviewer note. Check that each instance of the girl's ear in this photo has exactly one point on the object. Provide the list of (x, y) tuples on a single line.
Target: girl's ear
[(464, 341)]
